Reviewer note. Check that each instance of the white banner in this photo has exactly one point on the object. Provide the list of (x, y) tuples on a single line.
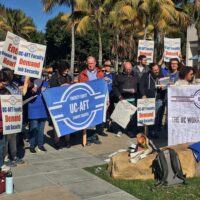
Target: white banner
[(146, 47), (11, 107), (123, 113), (1, 50), (30, 59), (146, 111), (10, 51), (183, 114), (172, 48)]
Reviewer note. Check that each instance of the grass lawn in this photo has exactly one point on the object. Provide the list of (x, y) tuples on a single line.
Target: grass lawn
[(143, 189)]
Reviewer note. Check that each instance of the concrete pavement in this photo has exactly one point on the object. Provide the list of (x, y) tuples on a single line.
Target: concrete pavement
[(59, 174)]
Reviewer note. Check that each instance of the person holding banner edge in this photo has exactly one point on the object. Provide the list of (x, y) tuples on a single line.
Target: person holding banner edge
[(92, 73), (61, 78)]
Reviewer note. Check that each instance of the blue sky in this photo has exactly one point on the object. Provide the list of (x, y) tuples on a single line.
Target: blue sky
[(34, 9)]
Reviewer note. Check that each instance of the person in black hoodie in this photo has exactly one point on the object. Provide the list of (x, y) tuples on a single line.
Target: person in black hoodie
[(149, 88)]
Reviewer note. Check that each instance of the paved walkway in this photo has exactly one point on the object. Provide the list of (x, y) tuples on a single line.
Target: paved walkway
[(59, 174)]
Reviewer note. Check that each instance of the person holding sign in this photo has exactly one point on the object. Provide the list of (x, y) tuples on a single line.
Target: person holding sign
[(148, 89), (174, 67), (141, 68), (3, 91), (61, 78), (37, 115), (125, 88), (89, 74)]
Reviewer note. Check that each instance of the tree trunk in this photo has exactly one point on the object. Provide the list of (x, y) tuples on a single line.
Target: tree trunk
[(117, 56), (156, 44), (198, 51), (72, 44), (100, 49)]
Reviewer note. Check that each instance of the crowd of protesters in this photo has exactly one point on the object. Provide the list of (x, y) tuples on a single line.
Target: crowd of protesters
[(132, 83)]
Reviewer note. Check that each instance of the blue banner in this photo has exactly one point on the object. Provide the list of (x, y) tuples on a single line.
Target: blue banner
[(78, 106)]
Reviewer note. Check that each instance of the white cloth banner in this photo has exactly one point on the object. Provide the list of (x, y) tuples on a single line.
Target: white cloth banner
[(1, 50), (30, 59), (172, 48), (123, 113), (183, 114), (146, 111), (10, 51), (146, 47), (11, 107)]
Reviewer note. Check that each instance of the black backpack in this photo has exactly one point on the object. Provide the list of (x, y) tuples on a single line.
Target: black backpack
[(167, 169)]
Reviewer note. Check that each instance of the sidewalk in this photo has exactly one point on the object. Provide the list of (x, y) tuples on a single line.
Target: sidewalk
[(58, 174)]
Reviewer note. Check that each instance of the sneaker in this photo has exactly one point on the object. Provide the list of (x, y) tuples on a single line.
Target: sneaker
[(67, 144), (131, 134), (119, 134), (89, 143), (18, 161), (32, 150), (97, 141), (57, 145), (103, 134), (5, 168), (41, 148), (11, 164)]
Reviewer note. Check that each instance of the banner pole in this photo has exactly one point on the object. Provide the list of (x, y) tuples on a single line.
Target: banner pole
[(84, 137)]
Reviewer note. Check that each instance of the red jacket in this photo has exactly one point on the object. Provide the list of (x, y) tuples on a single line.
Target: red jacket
[(83, 77)]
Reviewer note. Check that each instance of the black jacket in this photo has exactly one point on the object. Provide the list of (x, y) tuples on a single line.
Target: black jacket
[(57, 80), (125, 85), (147, 86)]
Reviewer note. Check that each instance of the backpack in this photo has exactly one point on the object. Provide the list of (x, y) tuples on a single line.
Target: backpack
[(167, 169)]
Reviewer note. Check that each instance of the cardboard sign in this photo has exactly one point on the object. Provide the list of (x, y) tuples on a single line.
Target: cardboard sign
[(78, 106), (11, 107), (123, 113), (172, 48), (146, 47), (146, 111), (10, 51), (30, 59), (183, 114)]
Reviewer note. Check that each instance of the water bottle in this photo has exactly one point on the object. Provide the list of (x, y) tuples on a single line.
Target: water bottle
[(9, 183)]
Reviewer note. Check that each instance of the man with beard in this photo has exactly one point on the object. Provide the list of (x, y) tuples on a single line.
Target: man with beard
[(149, 88), (141, 68)]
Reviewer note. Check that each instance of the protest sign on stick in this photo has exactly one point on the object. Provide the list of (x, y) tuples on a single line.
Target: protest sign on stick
[(10, 50), (11, 108), (30, 59), (146, 47), (145, 111), (172, 48), (123, 113), (183, 114)]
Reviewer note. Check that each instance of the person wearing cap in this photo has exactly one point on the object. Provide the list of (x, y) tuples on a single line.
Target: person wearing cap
[(109, 76)]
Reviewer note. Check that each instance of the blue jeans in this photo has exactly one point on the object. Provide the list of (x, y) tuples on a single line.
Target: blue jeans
[(2, 149), (36, 132)]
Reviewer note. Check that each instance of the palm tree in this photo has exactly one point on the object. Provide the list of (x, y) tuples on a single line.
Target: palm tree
[(16, 21), (48, 5), (164, 16), (90, 13)]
